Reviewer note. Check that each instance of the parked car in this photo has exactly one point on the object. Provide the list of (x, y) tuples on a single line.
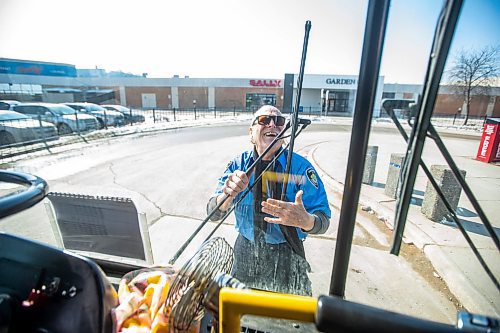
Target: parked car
[(130, 116), (8, 104), (62, 116), (108, 117), (16, 127)]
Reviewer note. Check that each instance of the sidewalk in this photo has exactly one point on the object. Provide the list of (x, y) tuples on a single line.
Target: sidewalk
[(442, 243)]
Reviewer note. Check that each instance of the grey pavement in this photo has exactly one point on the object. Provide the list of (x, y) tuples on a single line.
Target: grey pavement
[(442, 243)]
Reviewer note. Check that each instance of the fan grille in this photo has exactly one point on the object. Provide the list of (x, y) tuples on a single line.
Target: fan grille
[(185, 295)]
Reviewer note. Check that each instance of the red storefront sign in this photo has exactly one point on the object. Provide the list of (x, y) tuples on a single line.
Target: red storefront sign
[(265, 83), (29, 70), (489, 148)]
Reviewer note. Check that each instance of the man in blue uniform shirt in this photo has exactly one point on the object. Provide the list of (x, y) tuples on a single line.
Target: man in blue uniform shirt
[(269, 253)]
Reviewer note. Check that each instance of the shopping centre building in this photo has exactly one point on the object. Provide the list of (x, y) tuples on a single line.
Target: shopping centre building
[(332, 94)]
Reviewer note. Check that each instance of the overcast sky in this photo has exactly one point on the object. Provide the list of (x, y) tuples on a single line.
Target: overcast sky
[(232, 39)]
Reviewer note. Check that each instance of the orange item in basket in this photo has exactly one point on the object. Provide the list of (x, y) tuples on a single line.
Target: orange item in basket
[(142, 295)]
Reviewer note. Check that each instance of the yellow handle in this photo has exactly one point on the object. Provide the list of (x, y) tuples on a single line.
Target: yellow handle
[(233, 303)]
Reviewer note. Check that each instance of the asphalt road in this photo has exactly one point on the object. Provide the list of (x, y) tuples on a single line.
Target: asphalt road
[(172, 173)]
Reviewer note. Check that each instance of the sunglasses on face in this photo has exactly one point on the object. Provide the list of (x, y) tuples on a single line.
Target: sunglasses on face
[(266, 120)]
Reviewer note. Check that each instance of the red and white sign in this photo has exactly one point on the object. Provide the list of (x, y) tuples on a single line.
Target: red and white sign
[(489, 148), (265, 83)]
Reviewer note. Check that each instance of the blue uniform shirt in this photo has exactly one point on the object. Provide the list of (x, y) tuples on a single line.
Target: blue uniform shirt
[(303, 176)]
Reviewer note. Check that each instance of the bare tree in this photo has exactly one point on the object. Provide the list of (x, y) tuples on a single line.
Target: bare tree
[(472, 73)]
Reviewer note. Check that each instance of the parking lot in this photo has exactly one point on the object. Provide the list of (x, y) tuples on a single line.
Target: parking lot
[(46, 125)]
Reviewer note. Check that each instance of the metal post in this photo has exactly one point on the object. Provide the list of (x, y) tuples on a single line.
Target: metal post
[(459, 111), (77, 125), (234, 111), (105, 120), (154, 116), (376, 22), (41, 127), (131, 118), (194, 106), (175, 119)]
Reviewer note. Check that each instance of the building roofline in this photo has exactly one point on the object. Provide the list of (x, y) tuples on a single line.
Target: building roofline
[(37, 62)]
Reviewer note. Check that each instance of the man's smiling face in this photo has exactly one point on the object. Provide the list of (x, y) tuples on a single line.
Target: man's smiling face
[(263, 135)]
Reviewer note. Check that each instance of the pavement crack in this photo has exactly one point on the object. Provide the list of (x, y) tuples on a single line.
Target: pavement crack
[(113, 173), (162, 213)]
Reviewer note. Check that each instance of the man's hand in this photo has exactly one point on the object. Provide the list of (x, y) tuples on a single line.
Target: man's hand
[(288, 213), (235, 183)]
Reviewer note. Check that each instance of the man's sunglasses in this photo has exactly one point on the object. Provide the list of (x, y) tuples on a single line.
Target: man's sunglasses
[(266, 120)]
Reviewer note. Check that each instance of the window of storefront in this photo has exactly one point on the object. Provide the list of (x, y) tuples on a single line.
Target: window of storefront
[(21, 92), (388, 95), (338, 101), (25, 89), (257, 100)]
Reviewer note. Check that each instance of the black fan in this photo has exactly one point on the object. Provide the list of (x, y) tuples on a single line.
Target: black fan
[(196, 283)]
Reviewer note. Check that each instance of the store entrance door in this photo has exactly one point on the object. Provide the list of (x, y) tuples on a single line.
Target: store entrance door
[(338, 101)]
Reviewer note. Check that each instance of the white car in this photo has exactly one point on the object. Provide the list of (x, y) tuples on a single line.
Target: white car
[(130, 116), (8, 104), (18, 128), (108, 117), (63, 117)]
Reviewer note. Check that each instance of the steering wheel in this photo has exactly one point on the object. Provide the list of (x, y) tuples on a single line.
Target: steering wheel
[(13, 203)]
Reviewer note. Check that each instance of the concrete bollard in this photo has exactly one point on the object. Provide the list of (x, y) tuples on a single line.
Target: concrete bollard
[(432, 206), (370, 164), (391, 185)]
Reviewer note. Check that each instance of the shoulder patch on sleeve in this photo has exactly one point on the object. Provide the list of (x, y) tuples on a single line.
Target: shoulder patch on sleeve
[(313, 178)]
